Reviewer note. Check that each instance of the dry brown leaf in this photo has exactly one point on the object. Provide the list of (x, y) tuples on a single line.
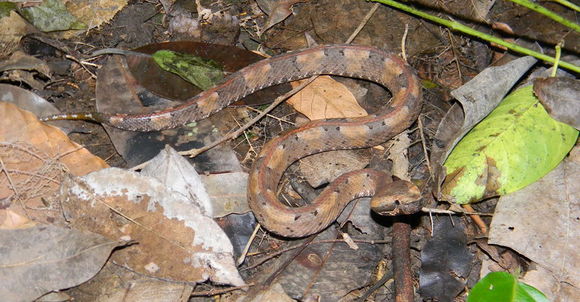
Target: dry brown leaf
[(19, 126), (175, 240), (35, 157), (326, 98), (11, 220)]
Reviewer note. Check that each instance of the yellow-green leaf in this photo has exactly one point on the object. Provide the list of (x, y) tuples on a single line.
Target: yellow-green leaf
[(201, 72), (515, 145)]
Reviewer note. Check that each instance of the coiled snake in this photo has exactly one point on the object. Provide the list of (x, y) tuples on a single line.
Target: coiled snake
[(344, 60)]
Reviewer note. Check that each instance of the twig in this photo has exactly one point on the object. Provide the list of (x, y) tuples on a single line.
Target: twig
[(247, 247), (476, 219), (231, 135), (272, 116), (82, 64), (362, 24), (450, 212), (404, 42), (12, 185), (402, 260)]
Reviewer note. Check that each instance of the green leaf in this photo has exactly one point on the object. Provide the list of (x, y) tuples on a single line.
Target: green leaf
[(503, 287), (51, 15), (515, 145), (201, 72)]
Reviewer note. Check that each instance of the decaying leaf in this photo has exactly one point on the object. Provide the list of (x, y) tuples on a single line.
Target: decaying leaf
[(175, 240), (95, 13), (217, 194), (203, 73), (560, 98), (326, 98), (515, 145), (541, 222), (43, 258), (177, 174), (228, 192), (445, 261), (51, 15), (21, 61), (26, 100), (277, 11)]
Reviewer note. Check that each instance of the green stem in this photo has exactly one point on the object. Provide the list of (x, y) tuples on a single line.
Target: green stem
[(472, 32), (568, 4), (548, 13)]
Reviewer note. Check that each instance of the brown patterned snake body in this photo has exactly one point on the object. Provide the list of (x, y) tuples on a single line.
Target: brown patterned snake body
[(344, 60)]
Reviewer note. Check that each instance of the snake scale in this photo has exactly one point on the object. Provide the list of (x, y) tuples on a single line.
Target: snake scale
[(361, 62)]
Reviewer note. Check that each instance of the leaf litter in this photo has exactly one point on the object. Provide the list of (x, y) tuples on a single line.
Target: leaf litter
[(142, 213)]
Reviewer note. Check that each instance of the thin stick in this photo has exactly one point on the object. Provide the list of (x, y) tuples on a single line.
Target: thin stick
[(232, 135), (401, 253), (362, 24), (82, 64), (404, 42), (247, 247), (476, 219), (272, 116), (450, 212)]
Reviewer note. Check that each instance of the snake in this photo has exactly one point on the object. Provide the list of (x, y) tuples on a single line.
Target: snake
[(361, 62)]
